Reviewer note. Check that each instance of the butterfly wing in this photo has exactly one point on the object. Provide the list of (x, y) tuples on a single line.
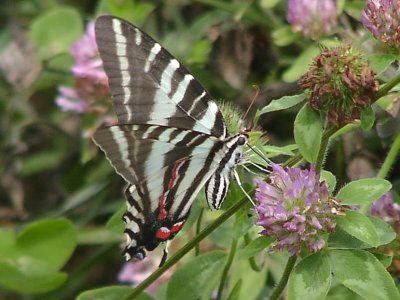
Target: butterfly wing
[(149, 86), (171, 136), (165, 167)]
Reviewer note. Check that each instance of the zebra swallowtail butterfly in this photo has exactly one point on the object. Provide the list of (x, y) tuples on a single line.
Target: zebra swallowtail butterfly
[(170, 140)]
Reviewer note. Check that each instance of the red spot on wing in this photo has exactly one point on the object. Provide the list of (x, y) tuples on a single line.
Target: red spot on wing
[(177, 226), (163, 233), (171, 184), (175, 174), (163, 212)]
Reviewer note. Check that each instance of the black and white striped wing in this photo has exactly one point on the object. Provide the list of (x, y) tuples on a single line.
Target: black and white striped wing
[(166, 168), (171, 139), (149, 86)]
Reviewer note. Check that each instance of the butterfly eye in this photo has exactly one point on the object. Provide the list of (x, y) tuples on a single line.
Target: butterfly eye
[(241, 141)]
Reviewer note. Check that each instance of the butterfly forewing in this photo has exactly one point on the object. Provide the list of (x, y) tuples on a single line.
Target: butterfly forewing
[(149, 86), (171, 138)]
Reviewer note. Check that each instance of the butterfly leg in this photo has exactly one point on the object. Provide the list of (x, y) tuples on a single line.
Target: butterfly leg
[(236, 175), (165, 254)]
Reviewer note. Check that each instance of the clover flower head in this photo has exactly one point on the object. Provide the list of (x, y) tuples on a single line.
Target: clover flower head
[(386, 209), (91, 83), (312, 17), (70, 99), (88, 63), (294, 207), (382, 18), (340, 83)]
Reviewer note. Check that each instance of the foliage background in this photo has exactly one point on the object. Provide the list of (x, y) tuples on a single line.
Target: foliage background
[(51, 171)]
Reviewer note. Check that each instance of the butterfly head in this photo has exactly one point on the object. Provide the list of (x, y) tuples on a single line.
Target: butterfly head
[(236, 144)]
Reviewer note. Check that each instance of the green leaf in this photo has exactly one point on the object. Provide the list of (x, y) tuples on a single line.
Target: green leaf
[(29, 263), (362, 272), (235, 293), (329, 179), (29, 275), (385, 231), (384, 259), (252, 282), (7, 242), (354, 8), (52, 241), (308, 133), (389, 103), (131, 11), (272, 151), (81, 196), (254, 247), (52, 36), (281, 103), (367, 118), (39, 162), (111, 293), (311, 278), (340, 292), (198, 277), (115, 223), (99, 236), (301, 64), (268, 4), (363, 191), (340, 239), (380, 62), (359, 226)]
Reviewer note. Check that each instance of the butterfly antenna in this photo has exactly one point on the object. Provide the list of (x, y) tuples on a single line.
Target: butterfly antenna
[(241, 187), (260, 154), (252, 101)]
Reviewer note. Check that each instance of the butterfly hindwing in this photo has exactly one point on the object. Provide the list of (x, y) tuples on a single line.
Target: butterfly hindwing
[(164, 93), (165, 169)]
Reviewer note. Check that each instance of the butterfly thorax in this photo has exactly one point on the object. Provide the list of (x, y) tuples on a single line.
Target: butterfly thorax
[(218, 184)]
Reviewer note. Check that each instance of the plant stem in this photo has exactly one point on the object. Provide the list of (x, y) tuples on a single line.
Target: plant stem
[(285, 277), (387, 87), (322, 150), (252, 260), (198, 228), (186, 248), (390, 158), (228, 265)]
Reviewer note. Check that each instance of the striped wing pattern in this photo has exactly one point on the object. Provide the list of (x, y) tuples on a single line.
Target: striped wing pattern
[(171, 139), (164, 93)]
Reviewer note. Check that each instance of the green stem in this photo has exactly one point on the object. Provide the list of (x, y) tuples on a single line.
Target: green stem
[(285, 277), (292, 161), (322, 149), (387, 87), (226, 268), (186, 248), (390, 158), (252, 260), (198, 228)]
